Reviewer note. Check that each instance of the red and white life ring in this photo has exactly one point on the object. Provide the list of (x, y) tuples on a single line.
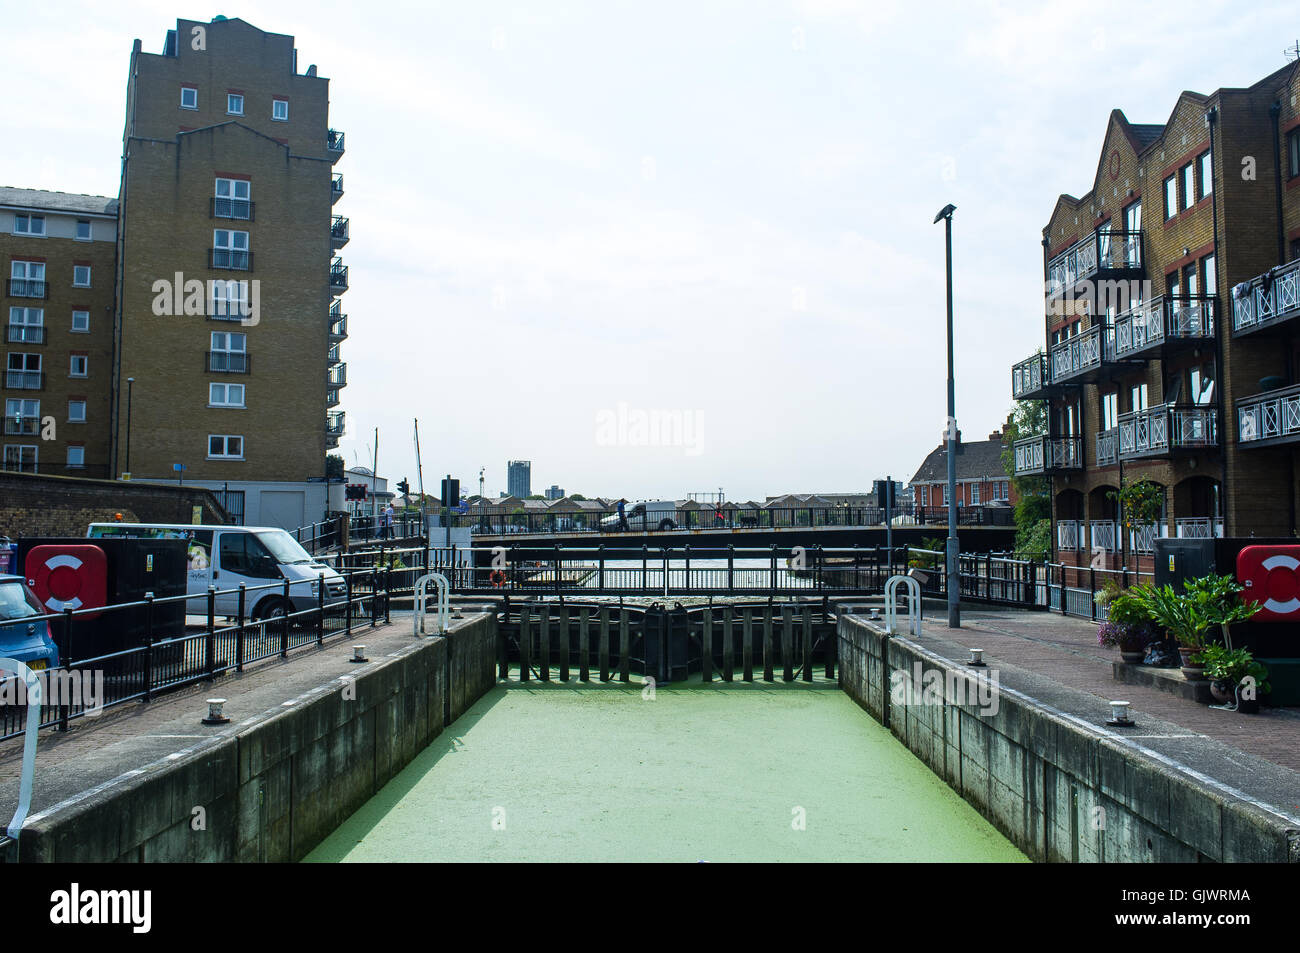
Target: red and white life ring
[(1271, 577), (68, 577)]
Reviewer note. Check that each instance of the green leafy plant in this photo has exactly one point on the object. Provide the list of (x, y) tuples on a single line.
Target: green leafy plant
[(1205, 603), (1233, 665), (934, 560)]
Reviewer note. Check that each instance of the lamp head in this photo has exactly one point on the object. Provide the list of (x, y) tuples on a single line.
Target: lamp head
[(945, 212)]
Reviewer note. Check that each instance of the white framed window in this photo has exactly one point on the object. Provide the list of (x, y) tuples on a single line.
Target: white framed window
[(26, 325), (84, 232), (76, 457), (1205, 172), (229, 299), (231, 199), (25, 224), (81, 276), (974, 494), (280, 110), (225, 447), (22, 417), (78, 366), (235, 104), (81, 321), (76, 411), (1189, 185), (225, 395), (1171, 197), (229, 352), (23, 371), (189, 97), (945, 494), (20, 457), (230, 249)]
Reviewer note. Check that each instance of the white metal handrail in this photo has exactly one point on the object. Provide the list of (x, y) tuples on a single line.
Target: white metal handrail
[(422, 601), (29, 741), (913, 604)]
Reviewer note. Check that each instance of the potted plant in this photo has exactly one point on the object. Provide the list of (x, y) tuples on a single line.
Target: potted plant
[(1206, 603), (1228, 669), (1127, 626)]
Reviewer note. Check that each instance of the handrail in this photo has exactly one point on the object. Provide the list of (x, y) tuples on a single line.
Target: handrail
[(913, 604), (29, 742), (422, 601)]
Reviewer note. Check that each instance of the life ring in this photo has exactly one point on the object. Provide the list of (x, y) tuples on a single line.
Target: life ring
[(497, 578), (1271, 577), (68, 576)]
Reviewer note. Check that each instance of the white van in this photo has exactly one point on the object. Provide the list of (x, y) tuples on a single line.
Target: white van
[(226, 556), (643, 516)]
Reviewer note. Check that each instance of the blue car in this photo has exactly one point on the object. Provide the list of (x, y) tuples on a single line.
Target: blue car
[(21, 638)]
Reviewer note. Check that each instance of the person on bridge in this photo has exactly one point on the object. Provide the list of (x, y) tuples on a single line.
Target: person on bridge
[(622, 517), (388, 521)]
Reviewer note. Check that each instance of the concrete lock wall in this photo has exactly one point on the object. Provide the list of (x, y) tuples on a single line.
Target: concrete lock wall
[(281, 783), (1039, 778)]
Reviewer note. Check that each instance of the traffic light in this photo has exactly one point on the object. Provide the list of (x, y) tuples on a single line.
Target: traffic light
[(405, 487)]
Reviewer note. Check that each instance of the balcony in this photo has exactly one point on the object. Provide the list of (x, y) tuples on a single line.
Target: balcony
[(27, 288), (230, 259), (1270, 418), (1030, 379), (227, 362), (19, 426), (240, 209), (1164, 324), (1104, 534), (1266, 301), (1166, 429), (336, 187), (1108, 447), (332, 397), (1047, 455), (24, 380), (337, 375), (334, 356), (338, 232), (1069, 536), (1142, 538), (1107, 254), (26, 334), (1199, 527), (338, 276), (334, 144), (1082, 358), (338, 326), (334, 423)]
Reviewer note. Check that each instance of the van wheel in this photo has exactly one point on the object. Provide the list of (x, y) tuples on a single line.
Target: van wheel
[(267, 609), (666, 525)]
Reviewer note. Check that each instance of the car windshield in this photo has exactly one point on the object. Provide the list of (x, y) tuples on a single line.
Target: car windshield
[(16, 602), (284, 548)]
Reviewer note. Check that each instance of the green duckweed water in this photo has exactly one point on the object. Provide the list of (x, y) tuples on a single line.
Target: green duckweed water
[(572, 772)]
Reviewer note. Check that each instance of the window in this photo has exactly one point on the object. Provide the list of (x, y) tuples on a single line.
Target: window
[(235, 104), (246, 555), (1201, 379), (230, 250), (22, 417), (26, 326), (1133, 225), (1293, 153), (189, 97), (78, 365), (81, 276), (1110, 410), (945, 494), (29, 224), (229, 300), (1189, 184), (21, 458), (23, 371), (280, 110), (27, 279), (1171, 197), (81, 321), (1205, 172), (83, 230), (1209, 277), (974, 494), (76, 457), (232, 199), (1138, 397), (225, 446), (229, 352), (225, 395), (76, 411)]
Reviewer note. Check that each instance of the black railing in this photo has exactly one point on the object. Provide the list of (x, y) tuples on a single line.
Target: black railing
[(24, 380), (338, 276), (336, 187), (230, 259), (26, 334), (134, 651), (228, 362), (26, 288), (334, 141), (22, 426), (240, 209), (339, 231)]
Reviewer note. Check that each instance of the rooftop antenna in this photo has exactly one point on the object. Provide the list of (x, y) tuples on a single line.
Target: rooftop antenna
[(1292, 52)]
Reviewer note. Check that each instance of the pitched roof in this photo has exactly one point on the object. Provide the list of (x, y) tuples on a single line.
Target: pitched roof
[(976, 460), (58, 201)]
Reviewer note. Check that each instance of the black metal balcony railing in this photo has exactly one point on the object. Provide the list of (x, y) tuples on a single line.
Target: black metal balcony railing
[(336, 187), (1267, 300), (338, 326), (1270, 417), (1081, 356), (241, 209), (334, 142), (1108, 253), (338, 276), (337, 375), (24, 380), (26, 334), (332, 397), (228, 362), (334, 423), (338, 232), (1108, 447), (22, 426), (1164, 321), (334, 356), (27, 288), (230, 259), (1047, 454), (1158, 431), (1030, 377)]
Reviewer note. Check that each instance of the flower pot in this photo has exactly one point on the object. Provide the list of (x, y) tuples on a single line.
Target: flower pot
[(1221, 689), (1191, 672), (1133, 658)]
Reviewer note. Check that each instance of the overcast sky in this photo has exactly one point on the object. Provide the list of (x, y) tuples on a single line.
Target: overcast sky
[(570, 219)]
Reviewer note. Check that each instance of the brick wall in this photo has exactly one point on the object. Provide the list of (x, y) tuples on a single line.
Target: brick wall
[(38, 505)]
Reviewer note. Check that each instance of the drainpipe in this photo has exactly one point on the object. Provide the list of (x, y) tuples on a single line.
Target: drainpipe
[(1051, 481), (1212, 119), (1275, 113)]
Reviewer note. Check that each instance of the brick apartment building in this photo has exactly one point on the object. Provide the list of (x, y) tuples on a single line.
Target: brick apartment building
[(1170, 327), (215, 310)]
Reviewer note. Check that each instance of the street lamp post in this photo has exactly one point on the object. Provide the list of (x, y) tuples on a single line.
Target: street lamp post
[(953, 579), (130, 381)]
